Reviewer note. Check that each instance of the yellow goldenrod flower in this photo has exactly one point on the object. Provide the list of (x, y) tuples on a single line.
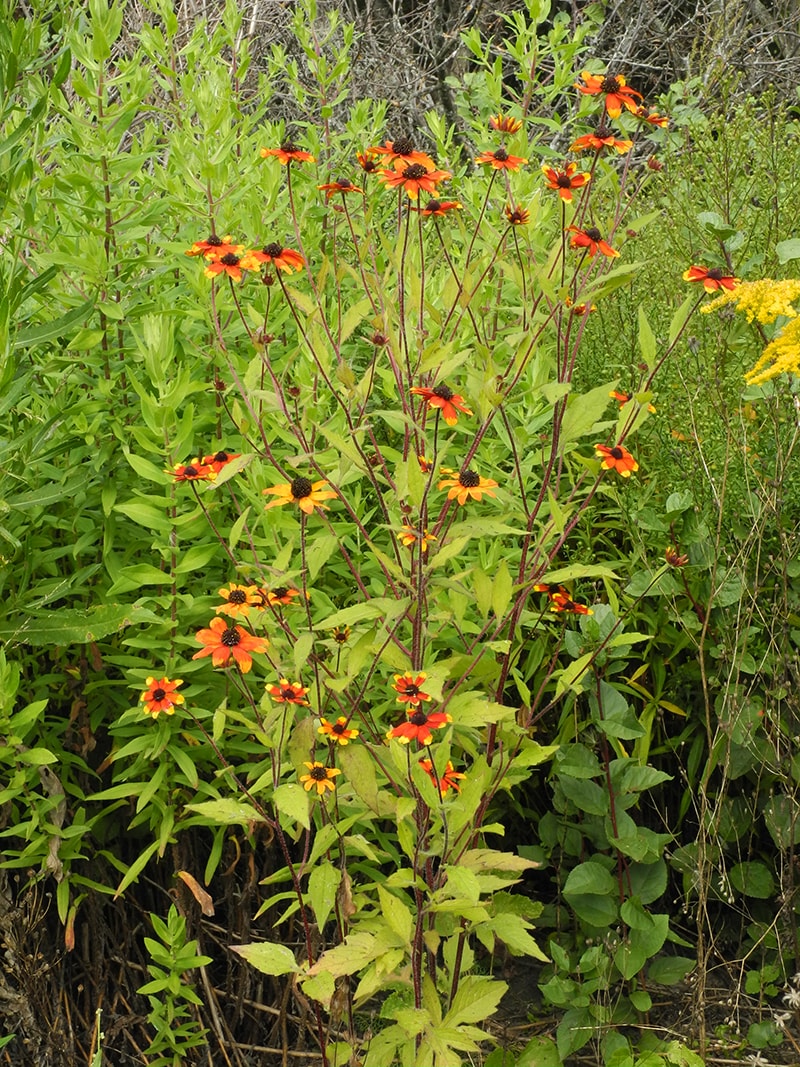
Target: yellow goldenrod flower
[(764, 300), (781, 356)]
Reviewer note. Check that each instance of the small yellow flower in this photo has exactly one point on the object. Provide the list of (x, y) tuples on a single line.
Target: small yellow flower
[(319, 777)]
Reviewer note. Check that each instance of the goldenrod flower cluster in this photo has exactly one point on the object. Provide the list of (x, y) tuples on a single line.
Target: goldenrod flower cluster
[(766, 300), (781, 356)]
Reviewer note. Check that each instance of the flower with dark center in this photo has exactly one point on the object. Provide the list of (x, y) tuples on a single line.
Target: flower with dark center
[(562, 603), (505, 124), (306, 494), (286, 692), (419, 727), (618, 94), (517, 215), (219, 460), (443, 398), (194, 471), (214, 247), (712, 279), (409, 687), (229, 264), (341, 185), (341, 634), (238, 600), (281, 258), (616, 459), (337, 732), (439, 207), (402, 149), (287, 153), (466, 484), (413, 178), (674, 558), (601, 138), (652, 117), (592, 240), (223, 640), (160, 696), (319, 777), (410, 536), (564, 181), (501, 160)]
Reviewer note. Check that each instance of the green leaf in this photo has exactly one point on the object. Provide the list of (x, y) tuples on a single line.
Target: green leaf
[(513, 932), (539, 1052), (589, 877), (356, 951), (377, 608), (268, 957), (574, 1031), (48, 331), (788, 249), (680, 317), (74, 626), (583, 412), (475, 1001), (647, 339), (322, 885), (397, 915), (358, 767), (483, 587), (502, 587), (321, 987), (753, 879), (293, 801), (669, 970), (226, 812)]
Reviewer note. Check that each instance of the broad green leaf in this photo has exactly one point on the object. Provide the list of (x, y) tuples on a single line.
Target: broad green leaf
[(475, 1001), (356, 951), (669, 970), (502, 587), (293, 801), (268, 957), (590, 877), (74, 626), (321, 987), (397, 914), (322, 885), (48, 331), (647, 339), (377, 608), (752, 878), (226, 811), (482, 585), (358, 768)]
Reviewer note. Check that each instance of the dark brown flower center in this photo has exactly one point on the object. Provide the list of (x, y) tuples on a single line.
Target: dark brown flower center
[(415, 172), (280, 592), (603, 131), (444, 392), (344, 183), (214, 240), (610, 85), (221, 457), (339, 727), (469, 479), (419, 718), (237, 596), (288, 693), (301, 488), (340, 636), (403, 146), (230, 637), (272, 250), (617, 452), (289, 146), (716, 274), (563, 180), (434, 205), (230, 260), (158, 694), (411, 690), (501, 155), (369, 165), (190, 472), (319, 774), (594, 234)]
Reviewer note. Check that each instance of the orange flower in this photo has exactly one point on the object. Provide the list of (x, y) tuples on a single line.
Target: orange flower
[(712, 279), (618, 94), (443, 397), (652, 117), (561, 602), (223, 639), (591, 239), (410, 535), (505, 124), (501, 160), (409, 688), (403, 150), (281, 594), (238, 600), (281, 258), (341, 634), (160, 696), (517, 216), (601, 138), (419, 727), (219, 460), (341, 185), (413, 178), (425, 464), (287, 153), (447, 780), (286, 692), (366, 162), (616, 459), (623, 398), (300, 491), (564, 181), (319, 777), (214, 247), (674, 558), (439, 207), (467, 484), (229, 264), (338, 731), (193, 471)]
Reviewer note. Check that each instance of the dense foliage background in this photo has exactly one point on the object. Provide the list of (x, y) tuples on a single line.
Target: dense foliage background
[(616, 881)]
